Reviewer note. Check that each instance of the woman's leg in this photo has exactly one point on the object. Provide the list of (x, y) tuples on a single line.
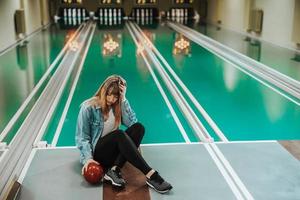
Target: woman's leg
[(106, 150), (117, 142), (136, 133)]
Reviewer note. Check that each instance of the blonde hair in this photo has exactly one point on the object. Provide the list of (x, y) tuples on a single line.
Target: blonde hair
[(111, 86)]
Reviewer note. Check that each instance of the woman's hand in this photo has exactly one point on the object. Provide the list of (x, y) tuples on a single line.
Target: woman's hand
[(84, 168), (123, 92)]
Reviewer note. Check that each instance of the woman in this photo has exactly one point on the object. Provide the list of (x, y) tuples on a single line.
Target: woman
[(100, 140)]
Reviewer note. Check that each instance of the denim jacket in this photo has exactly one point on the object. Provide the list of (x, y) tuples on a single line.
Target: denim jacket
[(90, 125)]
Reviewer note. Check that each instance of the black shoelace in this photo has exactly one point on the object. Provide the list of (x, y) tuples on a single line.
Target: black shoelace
[(118, 173)]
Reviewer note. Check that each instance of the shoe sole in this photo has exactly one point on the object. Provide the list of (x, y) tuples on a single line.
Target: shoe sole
[(159, 191), (107, 178)]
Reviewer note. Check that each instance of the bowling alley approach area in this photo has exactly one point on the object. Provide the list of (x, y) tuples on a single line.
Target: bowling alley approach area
[(214, 83)]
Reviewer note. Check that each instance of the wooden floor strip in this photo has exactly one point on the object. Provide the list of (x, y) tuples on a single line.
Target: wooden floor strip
[(135, 189), (293, 146)]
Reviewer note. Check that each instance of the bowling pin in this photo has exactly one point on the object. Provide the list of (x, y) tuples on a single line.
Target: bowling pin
[(65, 12), (74, 12), (147, 14), (115, 12), (119, 12), (101, 13), (110, 12), (78, 12), (142, 14), (105, 12), (186, 12), (137, 13), (151, 12), (83, 13)]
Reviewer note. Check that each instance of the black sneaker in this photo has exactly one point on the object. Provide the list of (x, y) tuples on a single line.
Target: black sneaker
[(158, 183), (115, 177)]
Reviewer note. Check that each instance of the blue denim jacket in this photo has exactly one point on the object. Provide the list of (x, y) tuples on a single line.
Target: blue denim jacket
[(90, 125)]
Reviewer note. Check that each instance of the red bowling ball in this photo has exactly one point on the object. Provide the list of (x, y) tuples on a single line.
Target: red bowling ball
[(94, 173)]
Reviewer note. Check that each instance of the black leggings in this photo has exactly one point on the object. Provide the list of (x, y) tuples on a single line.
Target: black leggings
[(118, 147)]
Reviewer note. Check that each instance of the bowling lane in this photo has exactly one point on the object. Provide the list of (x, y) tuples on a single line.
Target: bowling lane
[(22, 67), (243, 108), (142, 91), (283, 60)]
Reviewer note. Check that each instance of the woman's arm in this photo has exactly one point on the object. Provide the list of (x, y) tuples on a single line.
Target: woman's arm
[(83, 136), (128, 115)]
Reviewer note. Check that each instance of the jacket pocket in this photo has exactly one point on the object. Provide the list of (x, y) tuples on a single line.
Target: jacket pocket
[(95, 126)]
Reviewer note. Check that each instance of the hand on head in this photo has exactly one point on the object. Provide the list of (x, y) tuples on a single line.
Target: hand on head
[(122, 91), (120, 82)]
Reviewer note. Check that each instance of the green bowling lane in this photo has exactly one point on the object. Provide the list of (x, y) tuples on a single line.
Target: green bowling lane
[(281, 59), (243, 108), (22, 67), (142, 92)]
